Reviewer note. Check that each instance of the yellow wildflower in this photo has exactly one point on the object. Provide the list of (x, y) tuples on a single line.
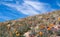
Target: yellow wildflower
[(16, 31), (17, 34)]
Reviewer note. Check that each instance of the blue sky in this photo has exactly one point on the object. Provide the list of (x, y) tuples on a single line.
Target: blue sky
[(15, 9)]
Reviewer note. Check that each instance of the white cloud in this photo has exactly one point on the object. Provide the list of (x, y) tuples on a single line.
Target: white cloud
[(31, 7), (58, 4), (42, 7), (36, 5), (5, 18), (25, 9)]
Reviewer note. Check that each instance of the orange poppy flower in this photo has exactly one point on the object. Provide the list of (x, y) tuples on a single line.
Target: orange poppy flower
[(41, 33), (48, 28), (59, 18), (51, 25)]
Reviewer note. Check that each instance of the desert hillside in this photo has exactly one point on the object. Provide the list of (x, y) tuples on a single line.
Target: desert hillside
[(43, 25)]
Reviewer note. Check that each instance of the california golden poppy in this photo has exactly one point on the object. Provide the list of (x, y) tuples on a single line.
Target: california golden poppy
[(41, 33), (48, 28), (59, 18), (51, 25)]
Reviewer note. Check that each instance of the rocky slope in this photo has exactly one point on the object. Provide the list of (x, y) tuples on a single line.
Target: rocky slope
[(43, 25)]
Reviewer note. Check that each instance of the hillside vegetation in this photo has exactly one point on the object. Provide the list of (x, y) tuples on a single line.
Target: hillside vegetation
[(43, 25)]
